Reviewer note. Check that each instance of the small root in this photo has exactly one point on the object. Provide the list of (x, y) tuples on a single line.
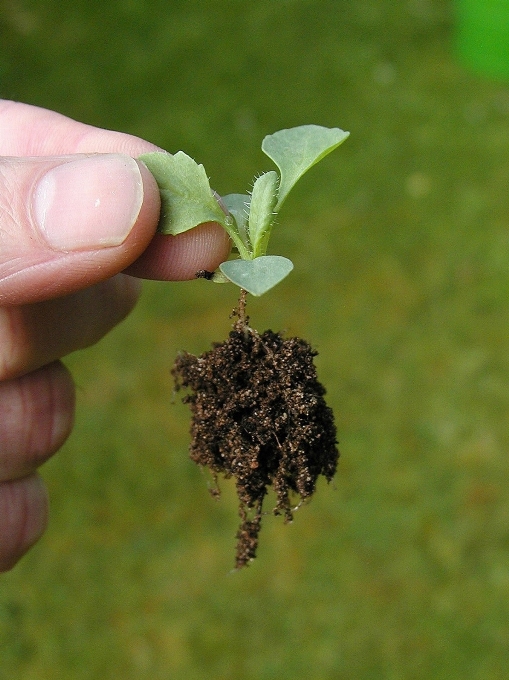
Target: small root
[(240, 313)]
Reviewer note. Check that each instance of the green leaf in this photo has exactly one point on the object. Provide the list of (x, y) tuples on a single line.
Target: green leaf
[(296, 150), (186, 197), (261, 211), (259, 275)]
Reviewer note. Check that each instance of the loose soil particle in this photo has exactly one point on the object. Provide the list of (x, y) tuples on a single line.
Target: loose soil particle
[(259, 415)]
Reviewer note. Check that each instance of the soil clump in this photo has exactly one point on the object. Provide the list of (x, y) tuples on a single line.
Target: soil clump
[(259, 415)]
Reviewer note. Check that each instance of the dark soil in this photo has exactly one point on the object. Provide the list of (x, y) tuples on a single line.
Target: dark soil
[(259, 415)]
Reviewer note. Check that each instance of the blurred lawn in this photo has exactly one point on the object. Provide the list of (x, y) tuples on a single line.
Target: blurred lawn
[(401, 246)]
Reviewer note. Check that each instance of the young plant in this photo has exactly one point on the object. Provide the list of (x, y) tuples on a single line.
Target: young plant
[(188, 200), (258, 410)]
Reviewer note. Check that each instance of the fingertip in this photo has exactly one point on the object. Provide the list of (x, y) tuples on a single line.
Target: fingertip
[(24, 509), (178, 258), (37, 416)]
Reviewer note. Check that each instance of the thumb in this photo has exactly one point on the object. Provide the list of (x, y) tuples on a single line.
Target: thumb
[(72, 221)]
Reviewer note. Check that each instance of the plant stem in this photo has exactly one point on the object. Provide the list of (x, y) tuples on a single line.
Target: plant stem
[(240, 313), (242, 307)]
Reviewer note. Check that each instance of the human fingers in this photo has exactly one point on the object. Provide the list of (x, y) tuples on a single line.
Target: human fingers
[(37, 334), (23, 517), (36, 417)]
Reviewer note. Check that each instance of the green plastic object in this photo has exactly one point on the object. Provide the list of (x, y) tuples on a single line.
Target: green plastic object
[(482, 36)]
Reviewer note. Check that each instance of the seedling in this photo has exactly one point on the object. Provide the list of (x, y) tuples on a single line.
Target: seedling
[(259, 413), (188, 200)]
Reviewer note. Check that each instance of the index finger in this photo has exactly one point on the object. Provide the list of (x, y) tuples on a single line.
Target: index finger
[(27, 130)]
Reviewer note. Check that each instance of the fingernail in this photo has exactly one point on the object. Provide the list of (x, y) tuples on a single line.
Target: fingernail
[(89, 203)]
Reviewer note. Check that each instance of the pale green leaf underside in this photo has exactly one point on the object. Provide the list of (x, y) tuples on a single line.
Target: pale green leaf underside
[(186, 197), (296, 150), (238, 206), (259, 275)]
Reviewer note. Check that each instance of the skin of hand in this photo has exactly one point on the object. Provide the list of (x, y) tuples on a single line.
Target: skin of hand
[(78, 216)]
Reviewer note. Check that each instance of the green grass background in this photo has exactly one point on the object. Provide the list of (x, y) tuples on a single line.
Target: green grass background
[(400, 570)]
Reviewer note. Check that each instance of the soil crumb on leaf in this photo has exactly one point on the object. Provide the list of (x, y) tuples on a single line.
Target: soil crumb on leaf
[(259, 415)]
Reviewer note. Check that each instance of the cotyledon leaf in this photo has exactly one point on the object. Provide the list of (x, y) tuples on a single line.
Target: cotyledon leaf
[(297, 149), (259, 275)]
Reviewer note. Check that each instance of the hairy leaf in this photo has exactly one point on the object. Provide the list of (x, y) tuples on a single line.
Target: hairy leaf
[(261, 212)]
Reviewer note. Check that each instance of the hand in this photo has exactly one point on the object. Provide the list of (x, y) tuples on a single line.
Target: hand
[(76, 210)]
